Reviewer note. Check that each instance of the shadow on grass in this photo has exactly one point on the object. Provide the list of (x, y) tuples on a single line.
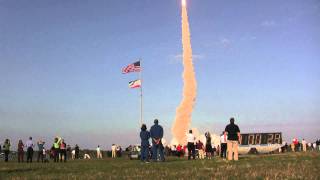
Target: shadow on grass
[(15, 170)]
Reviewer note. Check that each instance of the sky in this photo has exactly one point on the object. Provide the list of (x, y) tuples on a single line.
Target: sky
[(61, 61)]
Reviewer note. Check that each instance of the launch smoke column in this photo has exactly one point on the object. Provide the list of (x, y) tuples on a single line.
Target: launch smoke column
[(184, 110)]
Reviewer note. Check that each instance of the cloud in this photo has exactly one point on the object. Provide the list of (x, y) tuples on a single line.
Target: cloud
[(225, 42), (268, 23)]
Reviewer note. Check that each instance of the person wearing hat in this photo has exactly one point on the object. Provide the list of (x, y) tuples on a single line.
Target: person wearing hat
[(156, 133)]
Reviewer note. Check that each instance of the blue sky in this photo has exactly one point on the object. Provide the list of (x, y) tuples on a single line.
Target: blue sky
[(60, 67)]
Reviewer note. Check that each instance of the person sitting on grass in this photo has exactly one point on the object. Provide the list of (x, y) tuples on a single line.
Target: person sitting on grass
[(144, 136), (86, 156)]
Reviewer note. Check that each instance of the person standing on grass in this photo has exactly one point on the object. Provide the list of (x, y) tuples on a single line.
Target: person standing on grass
[(76, 151), (144, 136), (304, 145), (223, 146), (99, 155), (233, 139), (156, 133), (208, 145), (6, 149), (179, 151), (113, 151), (200, 148), (29, 145), (63, 151), (56, 149), (40, 144), (20, 151), (191, 149)]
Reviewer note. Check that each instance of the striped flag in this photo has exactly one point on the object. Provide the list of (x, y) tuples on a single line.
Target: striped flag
[(135, 84), (134, 67)]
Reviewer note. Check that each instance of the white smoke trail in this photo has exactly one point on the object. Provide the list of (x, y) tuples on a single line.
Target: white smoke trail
[(184, 110)]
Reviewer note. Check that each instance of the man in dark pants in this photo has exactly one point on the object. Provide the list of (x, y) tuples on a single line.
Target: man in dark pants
[(29, 145), (156, 133), (40, 150), (223, 145), (144, 136), (6, 149), (191, 147), (77, 151)]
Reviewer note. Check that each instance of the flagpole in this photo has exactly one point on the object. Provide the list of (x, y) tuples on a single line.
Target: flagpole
[(141, 102)]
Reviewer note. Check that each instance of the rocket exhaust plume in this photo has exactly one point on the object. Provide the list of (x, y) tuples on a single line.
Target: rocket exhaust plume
[(184, 110)]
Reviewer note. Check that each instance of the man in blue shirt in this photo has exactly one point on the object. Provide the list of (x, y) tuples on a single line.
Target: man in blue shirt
[(156, 133)]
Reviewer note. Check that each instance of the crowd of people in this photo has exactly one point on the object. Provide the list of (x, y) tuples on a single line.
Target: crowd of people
[(194, 148), (230, 139), (227, 149), (57, 152), (303, 145)]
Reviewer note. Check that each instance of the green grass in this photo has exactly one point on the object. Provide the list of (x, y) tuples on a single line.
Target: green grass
[(278, 166)]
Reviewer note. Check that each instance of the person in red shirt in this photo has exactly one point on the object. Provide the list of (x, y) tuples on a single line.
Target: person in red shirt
[(200, 148), (63, 151), (179, 150)]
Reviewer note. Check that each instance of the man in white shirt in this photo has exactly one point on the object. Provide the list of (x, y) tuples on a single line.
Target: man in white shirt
[(29, 145), (223, 146), (191, 148), (304, 145), (99, 155)]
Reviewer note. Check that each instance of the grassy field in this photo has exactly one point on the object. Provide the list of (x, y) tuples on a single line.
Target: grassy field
[(278, 166)]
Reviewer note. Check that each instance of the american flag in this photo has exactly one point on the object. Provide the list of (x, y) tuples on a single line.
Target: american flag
[(134, 67)]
